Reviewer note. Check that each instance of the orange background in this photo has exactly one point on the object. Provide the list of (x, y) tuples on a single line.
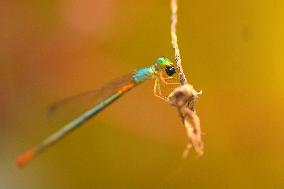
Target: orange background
[(232, 50)]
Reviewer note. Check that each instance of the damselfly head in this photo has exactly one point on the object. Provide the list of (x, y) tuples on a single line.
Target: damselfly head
[(163, 62)]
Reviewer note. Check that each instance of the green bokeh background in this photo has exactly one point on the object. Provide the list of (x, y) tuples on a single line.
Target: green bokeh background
[(232, 50)]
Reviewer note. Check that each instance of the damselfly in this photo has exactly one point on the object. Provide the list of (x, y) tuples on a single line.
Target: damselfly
[(107, 95)]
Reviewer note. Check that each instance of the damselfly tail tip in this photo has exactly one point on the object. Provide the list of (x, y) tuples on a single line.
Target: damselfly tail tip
[(22, 160)]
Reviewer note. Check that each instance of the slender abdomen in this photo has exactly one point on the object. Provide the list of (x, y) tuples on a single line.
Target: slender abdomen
[(26, 157)]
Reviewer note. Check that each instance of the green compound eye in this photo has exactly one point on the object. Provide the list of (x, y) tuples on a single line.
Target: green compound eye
[(163, 62)]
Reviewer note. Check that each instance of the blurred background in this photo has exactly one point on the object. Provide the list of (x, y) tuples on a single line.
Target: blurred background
[(232, 50)]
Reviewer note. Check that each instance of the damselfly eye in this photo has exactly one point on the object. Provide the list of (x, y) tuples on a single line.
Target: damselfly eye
[(170, 70)]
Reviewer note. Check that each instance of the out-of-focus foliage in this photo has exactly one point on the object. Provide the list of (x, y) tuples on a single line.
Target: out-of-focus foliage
[(233, 50)]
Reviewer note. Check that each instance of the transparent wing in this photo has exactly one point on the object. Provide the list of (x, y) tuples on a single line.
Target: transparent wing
[(73, 106)]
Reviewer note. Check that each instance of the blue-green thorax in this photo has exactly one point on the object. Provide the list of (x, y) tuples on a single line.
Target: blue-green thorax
[(151, 72)]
